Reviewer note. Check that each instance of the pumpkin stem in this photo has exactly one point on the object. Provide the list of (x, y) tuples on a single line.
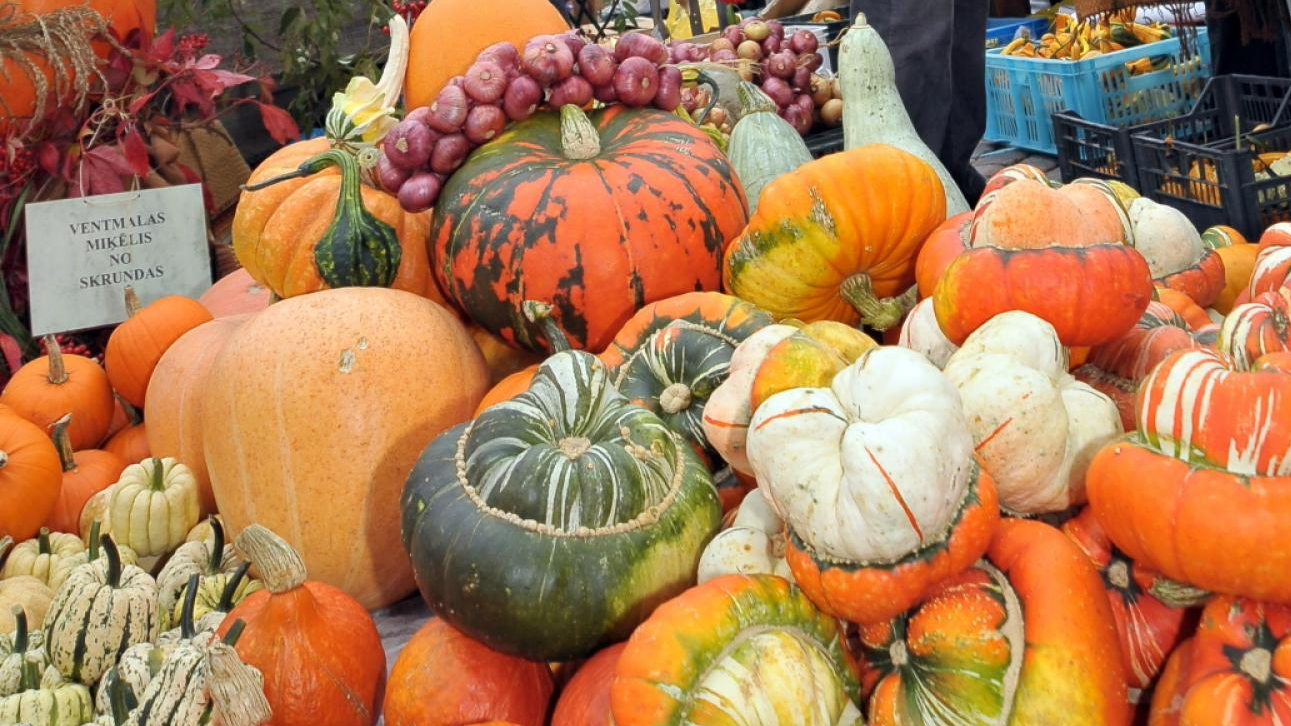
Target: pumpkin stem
[(31, 671), (280, 565), (879, 314), (753, 100), (132, 302), (579, 139), (20, 629), (186, 628), (64, 443), (57, 374), (235, 632), (1176, 594), (539, 313), (357, 249), (114, 561), (217, 547), (231, 587), (1257, 663), (119, 696), (95, 528), (42, 541), (675, 398), (157, 482), (6, 543), (237, 698), (132, 413)]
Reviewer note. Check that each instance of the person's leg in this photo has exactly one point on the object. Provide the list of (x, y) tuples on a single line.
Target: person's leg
[(967, 102)]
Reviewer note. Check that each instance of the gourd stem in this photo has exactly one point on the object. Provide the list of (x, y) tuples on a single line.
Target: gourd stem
[(132, 302), (95, 528), (281, 568), (31, 674), (675, 398), (235, 632), (217, 546), (539, 313), (753, 100), (231, 587), (42, 541), (57, 374), (860, 21), (877, 313), (186, 629), (579, 139), (237, 698), (1176, 594), (117, 699), (157, 483), (20, 629), (703, 79), (63, 442), (6, 543), (114, 561)]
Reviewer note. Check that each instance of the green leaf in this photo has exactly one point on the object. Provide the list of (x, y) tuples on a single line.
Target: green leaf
[(289, 18)]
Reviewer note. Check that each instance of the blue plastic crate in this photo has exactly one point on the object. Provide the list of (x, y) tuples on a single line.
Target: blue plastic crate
[(1022, 93), (1001, 31)]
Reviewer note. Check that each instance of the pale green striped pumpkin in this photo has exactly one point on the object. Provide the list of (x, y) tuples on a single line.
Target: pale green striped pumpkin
[(205, 557), (565, 500), (203, 681), (45, 699)]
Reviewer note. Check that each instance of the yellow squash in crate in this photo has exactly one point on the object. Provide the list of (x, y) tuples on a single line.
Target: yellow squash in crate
[(1074, 40)]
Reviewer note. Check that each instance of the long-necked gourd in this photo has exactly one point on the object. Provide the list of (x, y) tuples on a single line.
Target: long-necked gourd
[(763, 146)]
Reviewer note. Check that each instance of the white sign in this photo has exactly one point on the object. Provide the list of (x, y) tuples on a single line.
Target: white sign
[(82, 253)]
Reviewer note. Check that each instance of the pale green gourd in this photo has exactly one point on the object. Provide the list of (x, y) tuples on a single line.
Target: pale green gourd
[(873, 112), (763, 146)]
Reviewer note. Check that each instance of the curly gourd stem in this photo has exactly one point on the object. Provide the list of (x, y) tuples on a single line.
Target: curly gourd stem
[(57, 374), (231, 587), (187, 631), (63, 441), (217, 547), (157, 482), (877, 313), (281, 568), (237, 694), (539, 313)]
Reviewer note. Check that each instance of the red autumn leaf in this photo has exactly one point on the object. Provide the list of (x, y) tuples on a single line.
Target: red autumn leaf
[(206, 62), (230, 79), (12, 353), (101, 171), (140, 102), (136, 153), (163, 46), (280, 125), (48, 156)]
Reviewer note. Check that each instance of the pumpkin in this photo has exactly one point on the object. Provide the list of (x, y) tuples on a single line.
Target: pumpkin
[(1148, 628), (45, 699), (130, 443), (17, 641), (754, 544), (237, 293), (940, 249), (443, 677), (49, 558), (1016, 172), (1272, 271), (502, 360), (174, 407), (455, 31), (524, 219), (738, 649), (920, 332), (319, 650), (569, 466), (813, 252), (1257, 328), (1198, 492), (1193, 314), (153, 505), (1026, 637), (53, 385), (869, 531), (1176, 256), (730, 406), (85, 473), (1102, 207), (1274, 361), (1239, 261), (384, 369), (672, 355), (763, 146), (137, 344), (308, 223), (102, 609), (26, 594), (205, 557), (810, 356), (1233, 672), (585, 699), (1028, 214), (1034, 426), (31, 479)]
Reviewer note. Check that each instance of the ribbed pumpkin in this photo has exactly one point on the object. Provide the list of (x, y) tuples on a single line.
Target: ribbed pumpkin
[(1187, 308), (356, 381), (585, 699), (1175, 252), (49, 557), (174, 409), (85, 473), (1256, 329), (1272, 270), (56, 384), (307, 223), (138, 343), (317, 648), (1239, 261), (26, 594), (236, 293), (153, 505), (444, 677), (525, 219), (836, 238), (940, 249), (31, 478)]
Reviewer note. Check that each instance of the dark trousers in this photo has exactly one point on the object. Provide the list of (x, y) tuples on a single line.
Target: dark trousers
[(1229, 55), (938, 48)]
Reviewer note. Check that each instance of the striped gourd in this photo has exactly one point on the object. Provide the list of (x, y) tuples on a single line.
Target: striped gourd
[(1257, 328), (114, 700), (49, 557), (566, 499), (1272, 270), (101, 610), (14, 649), (45, 699), (153, 505), (206, 557), (216, 595), (203, 681)]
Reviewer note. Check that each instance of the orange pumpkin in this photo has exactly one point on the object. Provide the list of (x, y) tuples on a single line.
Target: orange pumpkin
[(1272, 270), (443, 677), (1029, 214), (54, 385), (130, 443), (139, 342), (174, 407), (1277, 235), (585, 700), (30, 477), (278, 229), (318, 649), (235, 294), (1257, 329), (450, 33), (85, 473), (1238, 256), (1189, 310), (939, 250), (501, 359), (316, 410)]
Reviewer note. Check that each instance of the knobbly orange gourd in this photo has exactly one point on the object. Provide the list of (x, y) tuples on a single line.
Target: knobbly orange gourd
[(138, 343), (57, 384)]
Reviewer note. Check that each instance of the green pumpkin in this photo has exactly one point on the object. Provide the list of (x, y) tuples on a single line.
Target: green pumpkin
[(763, 146), (556, 521), (45, 699)]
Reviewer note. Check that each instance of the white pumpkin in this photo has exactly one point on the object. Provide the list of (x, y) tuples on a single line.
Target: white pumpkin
[(921, 332), (1035, 426), (871, 468), (1164, 236), (153, 506), (729, 409), (753, 545)]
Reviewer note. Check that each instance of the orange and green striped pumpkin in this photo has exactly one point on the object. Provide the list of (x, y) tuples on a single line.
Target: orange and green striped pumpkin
[(596, 214), (1256, 329)]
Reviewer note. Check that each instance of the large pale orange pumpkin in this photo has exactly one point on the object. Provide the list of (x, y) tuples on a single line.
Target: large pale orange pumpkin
[(450, 33), (174, 410), (314, 413), (139, 342)]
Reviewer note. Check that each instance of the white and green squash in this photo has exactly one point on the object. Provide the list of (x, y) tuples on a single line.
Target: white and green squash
[(763, 146), (14, 650), (213, 597), (45, 699), (206, 557), (873, 112), (48, 557), (153, 506)]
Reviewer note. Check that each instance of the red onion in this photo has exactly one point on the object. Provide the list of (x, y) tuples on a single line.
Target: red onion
[(547, 59), (640, 45), (449, 153), (483, 123), (734, 35), (805, 102), (420, 192), (485, 82), (801, 80), (596, 65), (504, 54), (636, 81), (803, 41), (724, 55), (688, 100), (522, 98), (680, 51), (421, 115), (457, 81), (777, 29), (574, 41), (606, 93), (668, 96), (772, 45), (797, 118), (573, 90), (778, 90), (448, 112), (391, 177), (408, 144), (811, 61), (782, 64)]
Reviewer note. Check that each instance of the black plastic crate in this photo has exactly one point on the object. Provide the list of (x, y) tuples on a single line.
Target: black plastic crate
[(1088, 149), (821, 143)]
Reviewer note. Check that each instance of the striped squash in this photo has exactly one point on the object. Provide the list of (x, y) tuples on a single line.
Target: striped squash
[(101, 610), (215, 595), (1272, 271), (45, 699), (49, 557), (566, 499), (738, 649), (206, 557), (596, 215), (673, 354), (1257, 328), (14, 649), (132, 674)]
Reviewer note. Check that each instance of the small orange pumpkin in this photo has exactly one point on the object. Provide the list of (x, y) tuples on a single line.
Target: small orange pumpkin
[(54, 385), (234, 294), (30, 476), (85, 473), (139, 342), (130, 443)]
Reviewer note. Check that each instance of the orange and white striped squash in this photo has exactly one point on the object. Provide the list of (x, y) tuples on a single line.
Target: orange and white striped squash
[(1272, 270), (1257, 328)]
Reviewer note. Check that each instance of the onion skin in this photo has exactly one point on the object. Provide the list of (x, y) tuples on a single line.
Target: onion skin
[(811, 61), (389, 176), (575, 43), (803, 41), (596, 65), (777, 29), (504, 54), (807, 105), (573, 90), (450, 151), (724, 55), (778, 90), (668, 97), (636, 81), (486, 81), (420, 192), (734, 35), (820, 90), (772, 45), (749, 49), (797, 118), (721, 44), (801, 79), (421, 115), (408, 145), (640, 45), (757, 30), (448, 112), (717, 116), (783, 64), (606, 93), (483, 123), (522, 98), (680, 52), (547, 59)]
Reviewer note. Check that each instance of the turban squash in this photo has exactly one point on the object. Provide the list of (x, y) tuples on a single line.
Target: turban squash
[(1256, 329), (596, 215), (1176, 254), (1239, 261)]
